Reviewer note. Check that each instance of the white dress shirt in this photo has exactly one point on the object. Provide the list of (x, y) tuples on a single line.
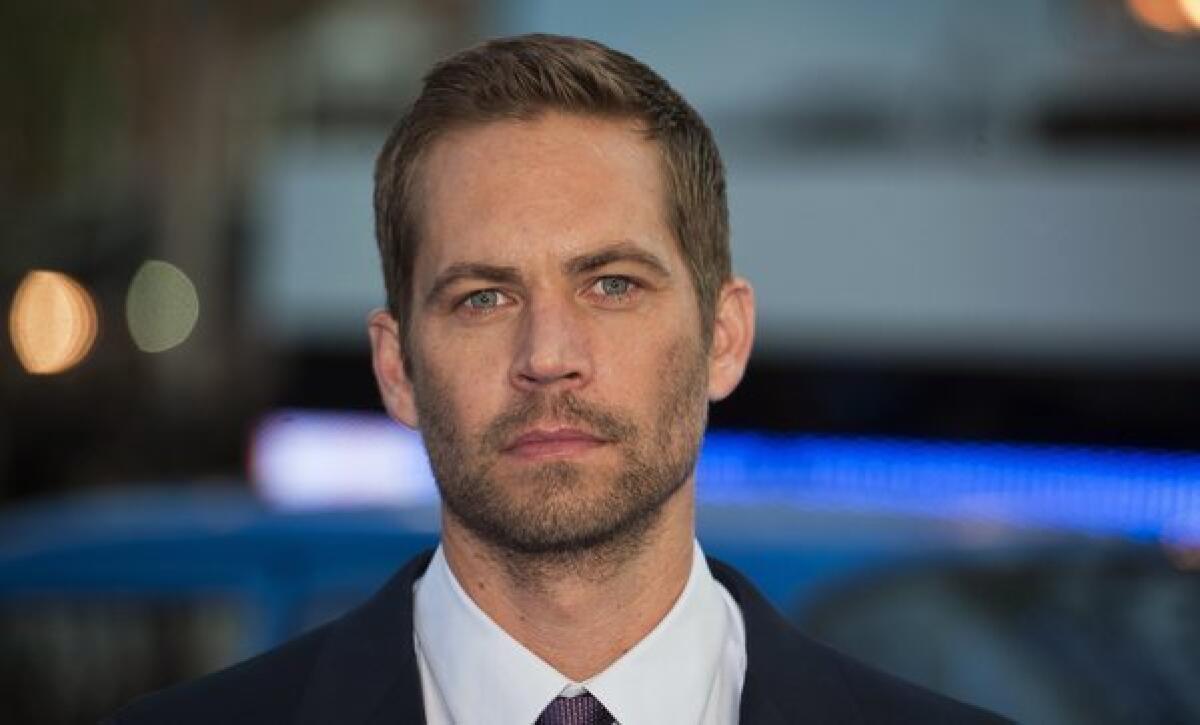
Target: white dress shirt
[(688, 669)]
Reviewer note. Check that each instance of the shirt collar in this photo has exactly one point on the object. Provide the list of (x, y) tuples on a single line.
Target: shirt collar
[(668, 676), (485, 675)]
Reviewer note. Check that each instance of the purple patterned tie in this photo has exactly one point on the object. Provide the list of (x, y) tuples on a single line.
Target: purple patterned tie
[(579, 710)]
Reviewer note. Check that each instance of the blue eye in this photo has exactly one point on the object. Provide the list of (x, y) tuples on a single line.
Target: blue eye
[(483, 299), (614, 286)]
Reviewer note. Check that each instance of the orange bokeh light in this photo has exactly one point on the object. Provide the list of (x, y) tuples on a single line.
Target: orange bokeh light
[(52, 322), (1168, 16), (1191, 8)]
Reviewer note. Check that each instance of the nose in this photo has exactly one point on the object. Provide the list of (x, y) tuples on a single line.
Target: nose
[(552, 350)]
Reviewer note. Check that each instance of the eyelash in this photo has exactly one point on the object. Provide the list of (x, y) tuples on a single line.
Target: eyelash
[(466, 299), (633, 287)]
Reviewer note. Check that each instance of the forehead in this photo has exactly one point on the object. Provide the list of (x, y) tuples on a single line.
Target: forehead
[(509, 191)]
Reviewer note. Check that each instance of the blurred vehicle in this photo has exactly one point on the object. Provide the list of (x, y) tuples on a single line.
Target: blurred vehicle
[(103, 598)]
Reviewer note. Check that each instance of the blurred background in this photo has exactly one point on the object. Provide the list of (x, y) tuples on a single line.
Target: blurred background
[(967, 448)]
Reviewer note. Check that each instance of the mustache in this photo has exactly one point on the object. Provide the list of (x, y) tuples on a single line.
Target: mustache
[(564, 408)]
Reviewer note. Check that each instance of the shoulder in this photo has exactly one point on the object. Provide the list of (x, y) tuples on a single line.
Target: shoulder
[(790, 675), (356, 667), (884, 698), (263, 689)]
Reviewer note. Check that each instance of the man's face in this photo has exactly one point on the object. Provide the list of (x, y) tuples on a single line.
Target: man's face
[(557, 370)]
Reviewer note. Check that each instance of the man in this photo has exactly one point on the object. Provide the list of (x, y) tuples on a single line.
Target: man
[(561, 311)]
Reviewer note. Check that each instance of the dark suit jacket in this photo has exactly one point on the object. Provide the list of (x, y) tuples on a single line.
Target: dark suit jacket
[(362, 668)]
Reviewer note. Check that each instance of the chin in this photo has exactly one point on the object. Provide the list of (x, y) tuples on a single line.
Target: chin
[(564, 512)]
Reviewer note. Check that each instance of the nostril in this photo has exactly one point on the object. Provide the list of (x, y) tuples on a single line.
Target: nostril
[(529, 377)]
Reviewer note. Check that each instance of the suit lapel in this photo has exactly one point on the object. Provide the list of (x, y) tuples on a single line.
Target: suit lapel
[(758, 706), (789, 678), (367, 672)]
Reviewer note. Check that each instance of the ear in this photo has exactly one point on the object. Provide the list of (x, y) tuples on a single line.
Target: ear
[(733, 337), (395, 386)]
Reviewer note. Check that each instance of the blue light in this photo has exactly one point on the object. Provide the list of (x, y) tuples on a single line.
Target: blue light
[(1133, 493), (320, 459)]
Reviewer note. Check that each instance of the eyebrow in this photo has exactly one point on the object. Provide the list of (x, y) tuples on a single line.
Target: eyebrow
[(472, 270), (617, 252)]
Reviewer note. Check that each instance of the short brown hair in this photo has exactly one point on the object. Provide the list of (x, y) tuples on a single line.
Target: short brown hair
[(522, 77)]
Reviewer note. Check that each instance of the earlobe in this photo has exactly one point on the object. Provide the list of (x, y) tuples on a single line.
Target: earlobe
[(391, 374), (733, 338)]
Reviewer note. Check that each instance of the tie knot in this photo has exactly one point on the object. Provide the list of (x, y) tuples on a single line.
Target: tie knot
[(583, 709)]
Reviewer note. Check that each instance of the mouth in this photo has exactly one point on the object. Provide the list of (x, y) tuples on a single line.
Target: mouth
[(543, 443)]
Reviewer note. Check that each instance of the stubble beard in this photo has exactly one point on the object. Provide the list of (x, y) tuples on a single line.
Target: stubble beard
[(562, 514)]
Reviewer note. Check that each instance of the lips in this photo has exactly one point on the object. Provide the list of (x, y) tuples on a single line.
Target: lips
[(553, 443)]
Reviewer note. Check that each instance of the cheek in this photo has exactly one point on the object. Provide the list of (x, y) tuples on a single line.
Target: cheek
[(651, 339), (631, 368), (470, 378)]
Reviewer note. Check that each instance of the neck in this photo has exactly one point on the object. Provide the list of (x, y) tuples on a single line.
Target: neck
[(580, 611)]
